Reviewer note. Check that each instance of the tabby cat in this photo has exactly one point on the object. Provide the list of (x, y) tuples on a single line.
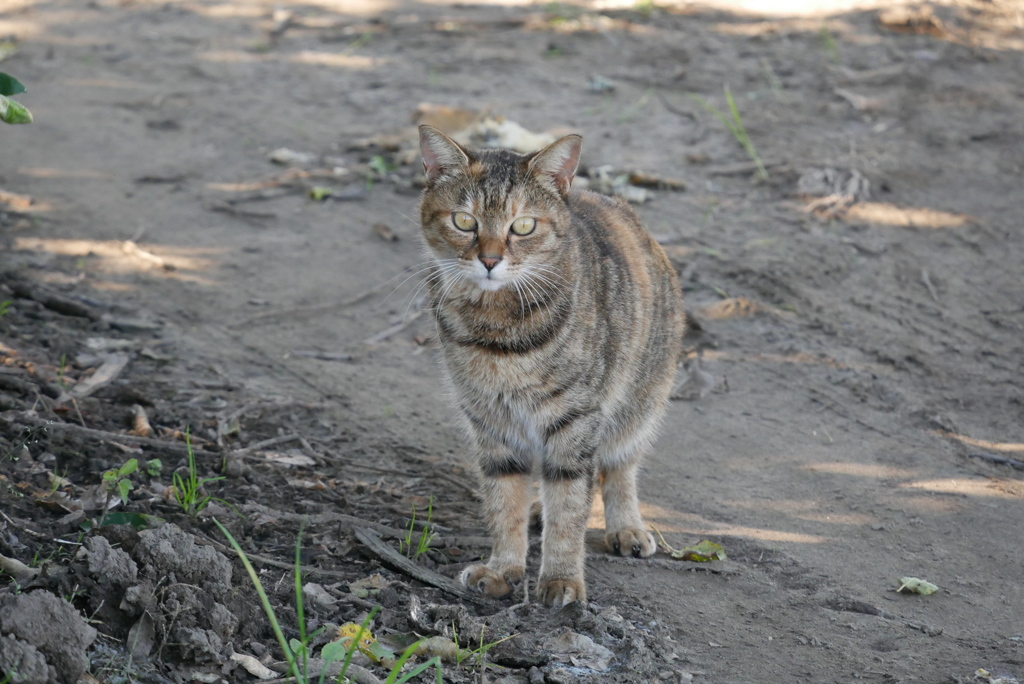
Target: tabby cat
[(560, 322)]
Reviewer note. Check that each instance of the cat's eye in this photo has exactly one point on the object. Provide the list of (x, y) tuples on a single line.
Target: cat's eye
[(524, 226), (463, 221)]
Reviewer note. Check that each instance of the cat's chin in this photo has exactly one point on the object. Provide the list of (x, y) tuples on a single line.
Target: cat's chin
[(489, 284)]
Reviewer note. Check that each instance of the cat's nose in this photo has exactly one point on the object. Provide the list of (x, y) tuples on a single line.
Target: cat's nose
[(489, 262)]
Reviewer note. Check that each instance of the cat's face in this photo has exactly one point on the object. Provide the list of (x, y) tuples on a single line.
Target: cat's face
[(495, 219)]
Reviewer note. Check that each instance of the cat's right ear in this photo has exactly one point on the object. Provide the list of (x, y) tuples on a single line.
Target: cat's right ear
[(440, 153), (558, 161)]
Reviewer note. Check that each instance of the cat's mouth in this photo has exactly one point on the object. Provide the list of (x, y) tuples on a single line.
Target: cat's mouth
[(491, 282)]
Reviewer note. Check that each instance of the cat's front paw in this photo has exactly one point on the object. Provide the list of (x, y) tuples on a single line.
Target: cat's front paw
[(561, 592), (631, 541), (490, 582)]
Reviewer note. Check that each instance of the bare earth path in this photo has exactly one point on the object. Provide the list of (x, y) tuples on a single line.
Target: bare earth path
[(867, 347)]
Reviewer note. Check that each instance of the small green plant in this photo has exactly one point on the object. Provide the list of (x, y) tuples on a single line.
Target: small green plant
[(773, 79), (116, 480), (380, 165), (5, 306), (296, 650), (153, 467), (188, 492), (480, 652), (57, 480), (12, 111), (734, 124), (38, 559), (829, 44), (632, 110), (644, 7), (423, 541), (60, 371), (359, 42)]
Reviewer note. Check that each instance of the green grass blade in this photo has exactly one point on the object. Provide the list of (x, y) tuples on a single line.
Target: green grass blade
[(267, 608), (397, 669), (740, 132), (355, 643), (711, 109), (433, 662), (300, 611)]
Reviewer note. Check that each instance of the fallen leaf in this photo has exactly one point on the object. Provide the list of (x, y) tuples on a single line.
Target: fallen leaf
[(140, 521), (254, 666), (142, 636), (314, 485), (318, 594), (439, 646), (351, 630), (104, 375), (917, 586), (580, 650), (920, 19), (368, 644), (368, 586), (13, 112), (16, 569), (701, 552), (385, 232), (732, 307), (290, 459), (319, 192), (287, 157), (448, 119)]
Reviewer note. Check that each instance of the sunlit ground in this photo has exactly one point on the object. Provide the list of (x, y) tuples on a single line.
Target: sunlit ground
[(999, 29), (669, 520), (116, 257)]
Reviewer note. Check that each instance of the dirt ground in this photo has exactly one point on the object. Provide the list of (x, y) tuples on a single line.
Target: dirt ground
[(851, 408)]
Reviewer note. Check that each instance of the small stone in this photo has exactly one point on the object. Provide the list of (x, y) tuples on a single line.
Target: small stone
[(559, 675)]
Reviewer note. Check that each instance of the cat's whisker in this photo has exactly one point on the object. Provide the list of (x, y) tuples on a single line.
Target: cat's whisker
[(548, 274), (534, 294), (420, 268), (415, 295), (549, 271), (408, 218), (522, 303), (542, 283), (439, 273), (449, 286)]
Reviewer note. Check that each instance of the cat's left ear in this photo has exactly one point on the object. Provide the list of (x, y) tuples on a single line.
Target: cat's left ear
[(440, 153), (558, 161)]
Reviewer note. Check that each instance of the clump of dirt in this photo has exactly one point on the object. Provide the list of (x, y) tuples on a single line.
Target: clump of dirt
[(44, 639), (166, 592)]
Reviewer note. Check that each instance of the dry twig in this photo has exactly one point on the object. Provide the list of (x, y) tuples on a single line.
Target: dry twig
[(389, 555)]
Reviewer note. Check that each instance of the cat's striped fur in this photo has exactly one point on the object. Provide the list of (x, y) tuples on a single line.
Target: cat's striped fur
[(560, 346)]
